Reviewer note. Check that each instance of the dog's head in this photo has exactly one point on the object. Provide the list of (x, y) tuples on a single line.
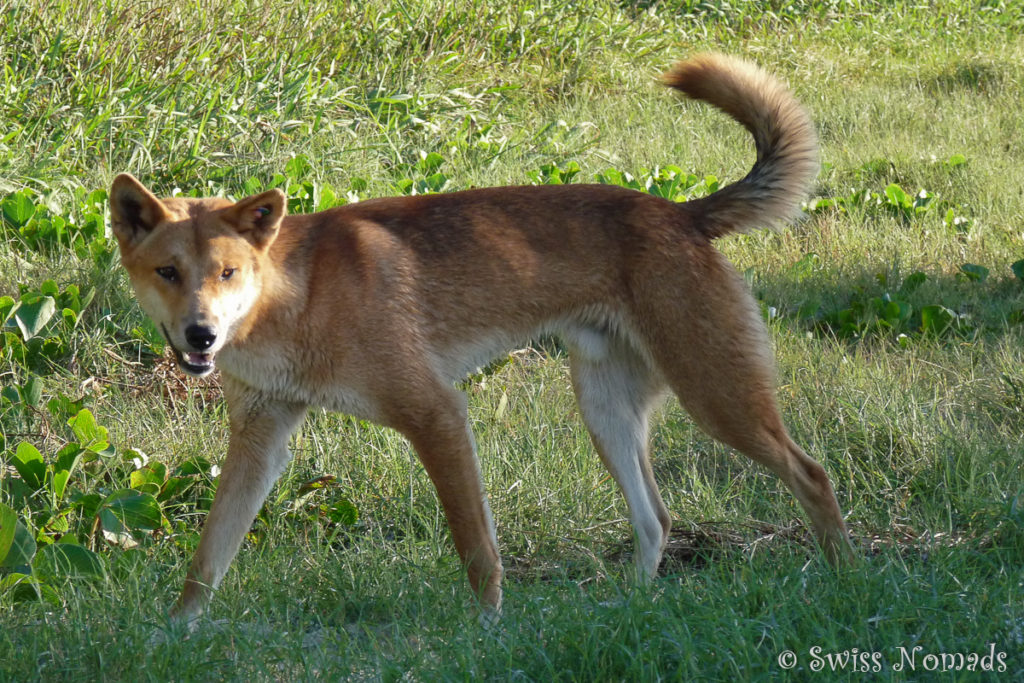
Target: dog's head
[(195, 264)]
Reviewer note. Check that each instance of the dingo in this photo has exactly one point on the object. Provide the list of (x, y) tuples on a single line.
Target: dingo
[(377, 309)]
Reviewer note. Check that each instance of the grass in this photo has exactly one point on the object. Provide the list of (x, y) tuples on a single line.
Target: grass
[(919, 423)]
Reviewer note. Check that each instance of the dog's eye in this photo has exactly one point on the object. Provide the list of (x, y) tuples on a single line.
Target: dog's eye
[(169, 273), (227, 273)]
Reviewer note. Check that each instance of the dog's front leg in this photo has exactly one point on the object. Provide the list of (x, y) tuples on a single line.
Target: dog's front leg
[(257, 454)]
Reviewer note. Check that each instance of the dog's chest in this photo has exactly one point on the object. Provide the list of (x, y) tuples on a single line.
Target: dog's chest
[(275, 372)]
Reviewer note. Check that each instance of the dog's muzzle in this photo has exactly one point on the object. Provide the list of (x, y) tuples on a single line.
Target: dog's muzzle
[(196, 363)]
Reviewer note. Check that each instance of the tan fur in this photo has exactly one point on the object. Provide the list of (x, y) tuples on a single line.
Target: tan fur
[(377, 308)]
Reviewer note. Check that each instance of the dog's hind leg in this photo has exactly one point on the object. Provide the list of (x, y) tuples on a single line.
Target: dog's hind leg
[(257, 454), (709, 341), (438, 430), (616, 391)]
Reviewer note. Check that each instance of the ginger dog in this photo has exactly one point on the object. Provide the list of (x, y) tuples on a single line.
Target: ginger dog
[(377, 308)]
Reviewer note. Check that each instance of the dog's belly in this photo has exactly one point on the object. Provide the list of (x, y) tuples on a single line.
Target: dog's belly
[(590, 333)]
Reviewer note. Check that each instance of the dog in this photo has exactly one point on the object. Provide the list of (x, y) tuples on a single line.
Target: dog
[(379, 307)]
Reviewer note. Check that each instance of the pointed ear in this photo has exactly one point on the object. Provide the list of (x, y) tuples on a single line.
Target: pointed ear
[(258, 217), (134, 210)]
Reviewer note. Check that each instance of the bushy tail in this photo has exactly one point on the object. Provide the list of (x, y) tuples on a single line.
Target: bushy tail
[(787, 148)]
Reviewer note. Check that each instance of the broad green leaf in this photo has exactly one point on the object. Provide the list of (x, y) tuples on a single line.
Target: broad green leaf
[(68, 457), (936, 319), (891, 311), (1018, 269), (192, 466), (820, 204), (6, 306), (21, 548), (23, 588), (173, 486), (11, 394), (33, 314), (898, 196), (341, 512), (110, 522), (436, 182), (32, 391), (610, 176), (956, 160), (68, 561), (298, 167), (96, 199), (60, 482), (62, 407), (90, 435), (913, 281), (132, 509), (429, 163), (88, 503), (28, 461), (148, 479), (8, 525), (57, 524), (974, 272), (328, 199), (252, 186), (18, 208)]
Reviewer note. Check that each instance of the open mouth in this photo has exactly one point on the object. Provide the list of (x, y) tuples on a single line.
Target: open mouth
[(195, 363)]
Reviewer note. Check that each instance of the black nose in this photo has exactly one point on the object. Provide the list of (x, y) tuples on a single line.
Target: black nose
[(200, 337)]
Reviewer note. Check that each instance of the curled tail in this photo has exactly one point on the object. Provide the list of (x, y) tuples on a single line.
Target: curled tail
[(787, 148)]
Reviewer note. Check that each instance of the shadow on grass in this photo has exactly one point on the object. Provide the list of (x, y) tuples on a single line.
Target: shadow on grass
[(883, 304), (690, 546), (971, 76)]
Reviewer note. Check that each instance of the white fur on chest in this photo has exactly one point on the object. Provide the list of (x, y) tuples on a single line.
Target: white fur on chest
[(273, 372)]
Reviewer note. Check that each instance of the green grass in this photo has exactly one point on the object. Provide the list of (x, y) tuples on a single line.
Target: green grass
[(918, 416)]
